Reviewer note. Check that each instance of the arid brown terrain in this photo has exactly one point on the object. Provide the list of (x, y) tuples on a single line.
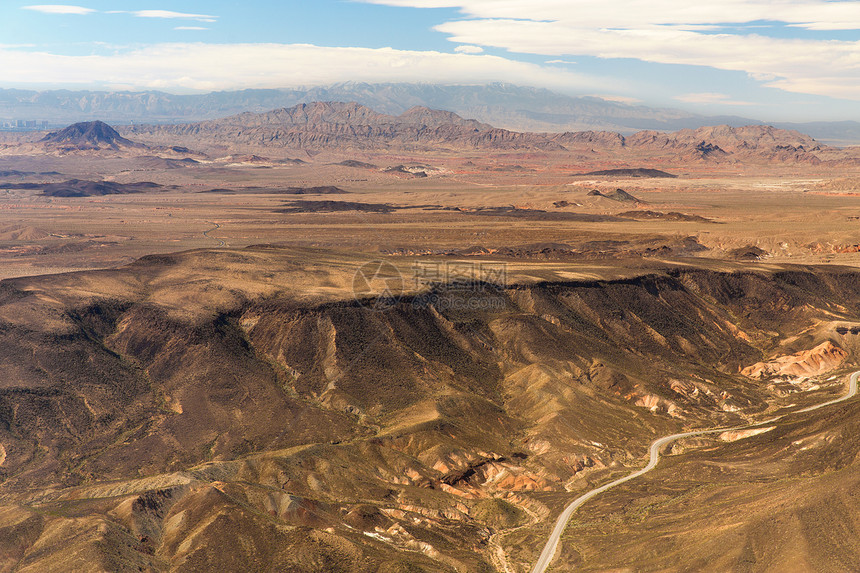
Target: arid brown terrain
[(328, 339)]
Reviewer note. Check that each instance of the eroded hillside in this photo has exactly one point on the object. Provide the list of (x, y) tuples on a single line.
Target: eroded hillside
[(202, 411)]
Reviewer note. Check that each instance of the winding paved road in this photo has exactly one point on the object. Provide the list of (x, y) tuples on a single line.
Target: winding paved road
[(551, 546), (215, 228)]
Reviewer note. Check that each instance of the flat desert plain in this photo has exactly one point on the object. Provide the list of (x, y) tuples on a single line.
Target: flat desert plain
[(508, 203)]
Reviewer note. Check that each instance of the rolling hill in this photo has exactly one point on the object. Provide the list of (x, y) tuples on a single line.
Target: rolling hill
[(151, 412)]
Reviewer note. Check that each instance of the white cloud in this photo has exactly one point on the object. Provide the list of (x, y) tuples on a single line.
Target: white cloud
[(199, 66), (67, 9), (670, 32), (710, 98), (619, 99), (469, 49), (169, 14), (812, 14), (166, 14), (565, 62), (830, 68), (59, 9)]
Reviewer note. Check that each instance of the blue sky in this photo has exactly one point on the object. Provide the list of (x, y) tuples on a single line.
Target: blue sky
[(768, 59)]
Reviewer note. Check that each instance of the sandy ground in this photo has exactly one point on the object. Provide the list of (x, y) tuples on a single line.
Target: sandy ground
[(794, 215)]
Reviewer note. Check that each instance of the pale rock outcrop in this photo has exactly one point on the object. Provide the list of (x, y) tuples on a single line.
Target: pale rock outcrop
[(806, 363)]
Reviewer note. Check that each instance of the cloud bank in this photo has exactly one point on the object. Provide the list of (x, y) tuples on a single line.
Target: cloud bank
[(199, 66), (710, 98), (717, 35), (633, 14)]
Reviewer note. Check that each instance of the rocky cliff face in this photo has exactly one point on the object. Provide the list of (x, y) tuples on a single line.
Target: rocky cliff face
[(139, 427)]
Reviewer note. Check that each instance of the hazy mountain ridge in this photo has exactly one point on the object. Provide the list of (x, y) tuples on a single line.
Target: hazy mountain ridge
[(503, 105), (336, 125)]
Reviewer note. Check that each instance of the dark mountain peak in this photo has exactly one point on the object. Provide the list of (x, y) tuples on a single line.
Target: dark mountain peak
[(617, 195), (621, 195), (88, 135)]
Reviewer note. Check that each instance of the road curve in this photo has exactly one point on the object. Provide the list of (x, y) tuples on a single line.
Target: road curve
[(551, 546), (215, 228)]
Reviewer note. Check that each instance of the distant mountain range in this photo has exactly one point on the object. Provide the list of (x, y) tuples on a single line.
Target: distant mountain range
[(502, 105), (339, 127)]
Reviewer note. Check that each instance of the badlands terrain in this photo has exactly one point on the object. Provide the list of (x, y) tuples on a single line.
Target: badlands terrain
[(324, 338)]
